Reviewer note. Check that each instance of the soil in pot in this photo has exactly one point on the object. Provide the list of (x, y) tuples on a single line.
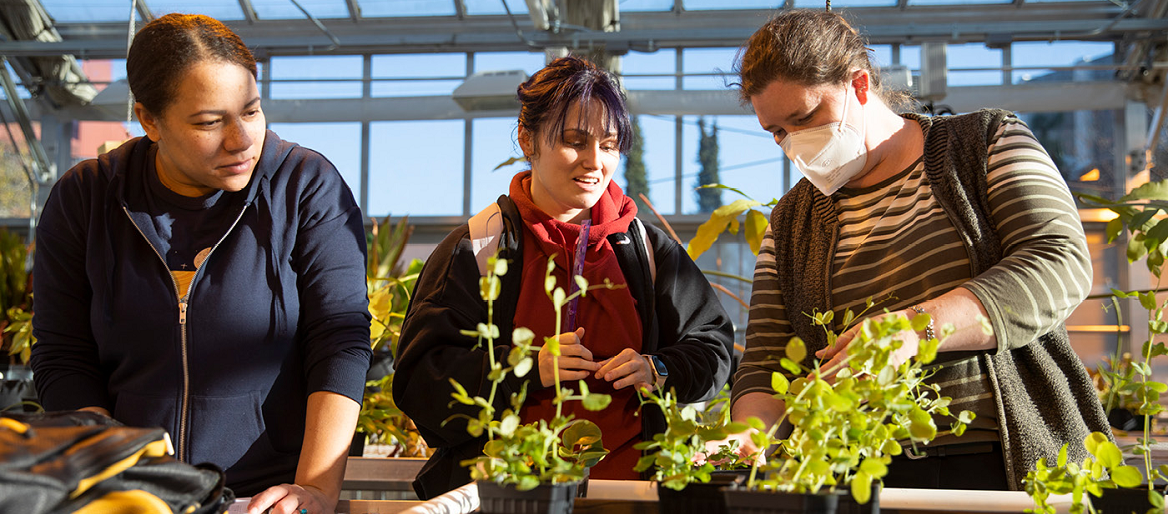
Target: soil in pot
[(1123, 501), (698, 498), (544, 499), (742, 501)]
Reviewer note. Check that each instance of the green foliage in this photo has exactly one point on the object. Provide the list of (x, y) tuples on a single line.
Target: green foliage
[(1104, 469), (383, 422), (15, 296), (848, 421), (389, 287), (1126, 382), (673, 453), (16, 191), (743, 213), (544, 451), (636, 178), (708, 199)]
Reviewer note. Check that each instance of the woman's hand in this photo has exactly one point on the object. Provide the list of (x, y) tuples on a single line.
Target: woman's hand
[(627, 368), (575, 360), (291, 499), (835, 354)]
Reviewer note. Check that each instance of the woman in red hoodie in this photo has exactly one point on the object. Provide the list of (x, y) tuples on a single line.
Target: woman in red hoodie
[(666, 329)]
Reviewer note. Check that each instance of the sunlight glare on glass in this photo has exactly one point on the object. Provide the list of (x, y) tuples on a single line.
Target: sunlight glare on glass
[(416, 66), (393, 8), (415, 168), (284, 9), (88, 10), (661, 62), (1061, 53), (480, 7), (645, 5), (303, 69), (715, 66), (225, 10), (812, 4)]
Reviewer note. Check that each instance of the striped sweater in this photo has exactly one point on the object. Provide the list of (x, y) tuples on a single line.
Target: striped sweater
[(898, 243)]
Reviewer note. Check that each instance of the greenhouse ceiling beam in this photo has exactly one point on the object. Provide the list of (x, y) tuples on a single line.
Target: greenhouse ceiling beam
[(639, 31), (1036, 97), (306, 39)]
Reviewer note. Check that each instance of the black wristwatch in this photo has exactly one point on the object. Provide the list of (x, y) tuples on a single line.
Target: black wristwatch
[(660, 372)]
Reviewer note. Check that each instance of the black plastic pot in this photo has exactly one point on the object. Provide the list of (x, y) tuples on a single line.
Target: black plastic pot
[(1123, 501), (357, 447), (698, 498), (15, 387), (849, 505), (544, 499), (742, 501), (1125, 420)]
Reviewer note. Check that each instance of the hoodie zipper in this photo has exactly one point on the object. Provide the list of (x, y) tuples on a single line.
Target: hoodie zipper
[(183, 305)]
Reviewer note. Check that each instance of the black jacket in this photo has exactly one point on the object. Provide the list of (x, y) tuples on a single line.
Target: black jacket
[(685, 325)]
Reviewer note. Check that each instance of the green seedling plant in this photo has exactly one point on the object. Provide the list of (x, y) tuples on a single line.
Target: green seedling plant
[(1140, 214), (848, 421), (674, 452), (1104, 469), (546, 451)]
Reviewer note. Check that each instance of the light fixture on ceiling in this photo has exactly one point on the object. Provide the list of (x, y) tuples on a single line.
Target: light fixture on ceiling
[(490, 91)]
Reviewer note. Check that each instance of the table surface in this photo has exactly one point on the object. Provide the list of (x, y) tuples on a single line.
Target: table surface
[(640, 497)]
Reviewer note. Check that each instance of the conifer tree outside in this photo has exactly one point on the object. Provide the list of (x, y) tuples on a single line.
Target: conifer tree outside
[(708, 199)]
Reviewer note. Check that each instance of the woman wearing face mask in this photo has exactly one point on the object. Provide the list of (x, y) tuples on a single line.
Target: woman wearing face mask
[(664, 330), (209, 279), (964, 218)]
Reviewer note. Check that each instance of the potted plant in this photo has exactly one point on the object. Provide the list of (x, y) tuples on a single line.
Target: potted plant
[(1139, 214), (389, 288), (533, 467), (15, 321), (1102, 475), (1114, 379), (688, 481), (846, 422)]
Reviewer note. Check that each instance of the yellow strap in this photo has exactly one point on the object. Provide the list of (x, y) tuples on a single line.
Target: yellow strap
[(126, 502), (13, 425), (154, 449)]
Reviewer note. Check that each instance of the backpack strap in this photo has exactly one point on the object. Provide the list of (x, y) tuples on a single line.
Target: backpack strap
[(486, 228), (644, 237)]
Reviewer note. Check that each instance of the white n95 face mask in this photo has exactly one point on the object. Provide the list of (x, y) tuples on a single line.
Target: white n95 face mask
[(828, 155)]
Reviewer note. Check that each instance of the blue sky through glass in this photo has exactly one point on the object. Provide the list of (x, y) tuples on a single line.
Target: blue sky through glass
[(409, 157)]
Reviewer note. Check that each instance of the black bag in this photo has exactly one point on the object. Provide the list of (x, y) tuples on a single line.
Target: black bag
[(83, 462)]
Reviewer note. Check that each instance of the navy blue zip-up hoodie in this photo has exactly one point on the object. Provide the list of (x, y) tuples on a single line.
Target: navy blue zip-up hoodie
[(276, 312)]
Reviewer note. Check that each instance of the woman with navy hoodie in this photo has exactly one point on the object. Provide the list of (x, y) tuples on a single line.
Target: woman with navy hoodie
[(209, 279)]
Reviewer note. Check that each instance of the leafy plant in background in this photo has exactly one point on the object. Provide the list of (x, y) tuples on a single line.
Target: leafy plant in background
[(673, 453), (389, 287), (727, 218), (1103, 470), (1138, 214), (542, 452), (15, 297), (846, 429)]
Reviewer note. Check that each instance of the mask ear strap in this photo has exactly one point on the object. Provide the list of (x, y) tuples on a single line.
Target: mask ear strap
[(844, 116)]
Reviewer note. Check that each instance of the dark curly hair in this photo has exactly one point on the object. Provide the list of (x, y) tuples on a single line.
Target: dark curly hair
[(546, 96), (165, 48)]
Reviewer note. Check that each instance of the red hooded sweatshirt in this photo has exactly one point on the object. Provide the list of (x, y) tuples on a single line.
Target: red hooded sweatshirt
[(609, 317)]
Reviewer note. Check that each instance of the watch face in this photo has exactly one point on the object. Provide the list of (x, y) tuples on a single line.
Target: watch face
[(659, 365)]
